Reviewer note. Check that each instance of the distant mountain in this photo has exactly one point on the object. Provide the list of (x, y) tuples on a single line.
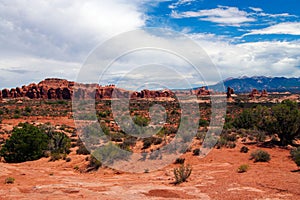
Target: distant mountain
[(271, 84)]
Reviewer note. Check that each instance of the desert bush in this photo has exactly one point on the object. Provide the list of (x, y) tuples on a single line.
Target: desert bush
[(130, 141), (28, 109), (282, 119), (231, 145), (245, 120), (110, 153), (9, 180), (147, 142), (260, 156), (221, 142), (94, 164), (203, 122), (26, 143), (59, 143), (200, 135), (196, 152), (179, 160), (141, 121), (260, 136), (286, 120), (82, 150), (55, 157), (243, 168), (182, 173), (295, 153), (68, 159), (244, 149), (157, 141), (210, 141), (117, 137)]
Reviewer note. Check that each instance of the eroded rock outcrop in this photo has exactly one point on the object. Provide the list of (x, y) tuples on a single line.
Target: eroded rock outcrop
[(53, 88), (229, 92), (202, 91), (256, 93)]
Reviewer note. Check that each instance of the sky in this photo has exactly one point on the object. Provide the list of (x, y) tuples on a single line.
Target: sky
[(41, 39)]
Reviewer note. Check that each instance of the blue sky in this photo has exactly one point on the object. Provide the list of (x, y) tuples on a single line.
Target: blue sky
[(239, 20), (40, 39)]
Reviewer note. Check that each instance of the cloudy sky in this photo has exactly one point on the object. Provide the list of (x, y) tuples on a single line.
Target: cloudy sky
[(41, 38)]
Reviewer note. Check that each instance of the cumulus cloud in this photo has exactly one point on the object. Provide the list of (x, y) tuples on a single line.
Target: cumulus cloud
[(180, 3), (151, 55), (60, 31), (256, 9), (269, 58), (290, 28), (223, 15), (17, 71)]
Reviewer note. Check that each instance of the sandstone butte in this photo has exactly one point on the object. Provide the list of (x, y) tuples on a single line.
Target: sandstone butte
[(54, 88)]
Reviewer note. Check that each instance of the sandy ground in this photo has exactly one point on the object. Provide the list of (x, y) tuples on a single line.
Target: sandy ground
[(213, 177)]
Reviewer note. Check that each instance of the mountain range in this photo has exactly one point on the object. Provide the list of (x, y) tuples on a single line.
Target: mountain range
[(271, 84)]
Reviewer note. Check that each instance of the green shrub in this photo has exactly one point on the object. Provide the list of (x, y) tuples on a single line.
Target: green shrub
[(231, 145), (28, 109), (59, 143), (26, 143), (179, 160), (260, 156), (295, 153), (94, 164), (244, 149), (196, 152), (16, 116), (182, 173), (110, 153), (203, 122), (157, 141), (245, 120), (9, 180), (141, 121), (243, 168), (117, 137), (82, 150), (55, 157)]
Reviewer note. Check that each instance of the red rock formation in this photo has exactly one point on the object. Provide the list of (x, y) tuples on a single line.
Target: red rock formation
[(5, 93), (53, 88), (229, 92), (254, 93), (202, 91), (264, 93)]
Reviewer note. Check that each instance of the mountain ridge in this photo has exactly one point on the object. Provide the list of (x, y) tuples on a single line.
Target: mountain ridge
[(271, 84)]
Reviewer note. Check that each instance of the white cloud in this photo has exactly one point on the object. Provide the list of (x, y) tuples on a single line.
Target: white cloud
[(291, 28), (60, 30), (180, 2), (223, 15), (17, 71), (272, 58), (256, 9)]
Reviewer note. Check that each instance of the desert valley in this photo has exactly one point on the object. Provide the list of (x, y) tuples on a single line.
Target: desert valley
[(255, 157)]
